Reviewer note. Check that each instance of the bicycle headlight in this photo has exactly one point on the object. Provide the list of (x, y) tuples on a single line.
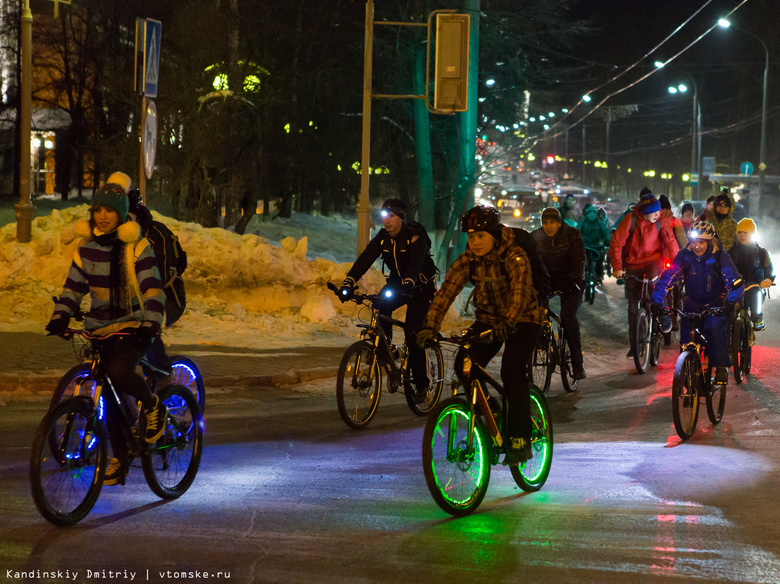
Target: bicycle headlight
[(388, 293)]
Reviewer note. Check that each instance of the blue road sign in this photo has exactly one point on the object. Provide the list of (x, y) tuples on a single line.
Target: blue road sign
[(152, 34), (708, 165), (746, 168)]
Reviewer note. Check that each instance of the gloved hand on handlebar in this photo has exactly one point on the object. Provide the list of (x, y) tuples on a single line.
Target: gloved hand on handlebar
[(58, 324), (732, 306), (346, 290), (148, 329), (766, 283), (503, 330), (407, 287), (425, 337), (656, 309)]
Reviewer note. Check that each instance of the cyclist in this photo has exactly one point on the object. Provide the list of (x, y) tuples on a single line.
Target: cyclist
[(117, 267), (156, 355), (686, 216), (506, 302), (755, 265), (595, 235), (675, 222), (563, 253), (405, 250), (709, 210), (637, 248), (710, 278), (569, 211), (725, 226)]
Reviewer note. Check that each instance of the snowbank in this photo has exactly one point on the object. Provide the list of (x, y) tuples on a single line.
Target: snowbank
[(241, 290)]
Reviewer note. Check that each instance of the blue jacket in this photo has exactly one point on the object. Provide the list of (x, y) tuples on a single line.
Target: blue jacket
[(709, 279)]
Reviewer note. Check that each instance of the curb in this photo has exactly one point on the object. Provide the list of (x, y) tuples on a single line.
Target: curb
[(15, 384)]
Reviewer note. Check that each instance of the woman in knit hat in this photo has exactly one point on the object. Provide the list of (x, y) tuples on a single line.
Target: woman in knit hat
[(117, 267), (755, 265)]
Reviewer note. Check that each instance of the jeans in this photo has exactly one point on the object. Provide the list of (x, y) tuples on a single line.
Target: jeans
[(514, 372), (416, 310)]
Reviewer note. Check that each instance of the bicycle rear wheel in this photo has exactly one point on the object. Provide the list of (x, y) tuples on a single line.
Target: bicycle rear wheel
[(358, 385), (737, 349), (457, 474), (642, 342), (655, 342), (567, 376), (184, 371), (171, 463), (542, 365), (716, 402), (685, 393), (68, 461), (434, 362), (531, 475)]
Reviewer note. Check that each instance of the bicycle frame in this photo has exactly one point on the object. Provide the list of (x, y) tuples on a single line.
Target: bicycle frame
[(377, 336)]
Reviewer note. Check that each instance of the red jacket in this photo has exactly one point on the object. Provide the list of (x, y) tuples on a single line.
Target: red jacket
[(648, 243)]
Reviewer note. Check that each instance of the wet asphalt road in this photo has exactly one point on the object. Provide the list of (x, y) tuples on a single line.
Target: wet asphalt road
[(287, 493)]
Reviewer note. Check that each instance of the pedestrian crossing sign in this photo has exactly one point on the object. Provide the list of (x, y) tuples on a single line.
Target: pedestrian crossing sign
[(148, 33)]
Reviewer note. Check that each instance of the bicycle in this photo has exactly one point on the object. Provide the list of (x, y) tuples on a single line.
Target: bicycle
[(646, 343), (693, 378), (463, 439), (552, 350), (359, 380), (743, 337), (593, 257), (69, 453)]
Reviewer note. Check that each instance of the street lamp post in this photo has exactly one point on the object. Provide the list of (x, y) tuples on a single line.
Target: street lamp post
[(754, 206), (24, 208)]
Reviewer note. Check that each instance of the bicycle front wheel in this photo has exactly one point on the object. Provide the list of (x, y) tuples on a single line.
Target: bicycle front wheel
[(642, 343), (434, 363), (542, 365), (567, 377), (358, 385), (184, 371), (655, 342), (171, 463), (66, 386), (532, 474), (737, 350), (685, 393), (68, 461), (457, 473)]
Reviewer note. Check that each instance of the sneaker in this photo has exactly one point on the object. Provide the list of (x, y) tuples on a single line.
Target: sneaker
[(519, 451), (666, 324), (579, 373), (759, 326), (630, 354), (721, 375), (115, 473), (155, 420)]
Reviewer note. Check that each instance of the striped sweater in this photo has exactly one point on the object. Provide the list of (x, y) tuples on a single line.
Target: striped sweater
[(91, 271)]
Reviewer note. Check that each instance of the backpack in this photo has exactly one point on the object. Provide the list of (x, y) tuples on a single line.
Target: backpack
[(539, 274), (171, 262)]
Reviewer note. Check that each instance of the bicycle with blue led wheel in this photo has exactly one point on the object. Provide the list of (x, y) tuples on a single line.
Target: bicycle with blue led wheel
[(463, 439), (359, 379), (69, 454)]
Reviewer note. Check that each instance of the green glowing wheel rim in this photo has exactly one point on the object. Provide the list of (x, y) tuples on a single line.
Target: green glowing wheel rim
[(532, 475), (457, 476)]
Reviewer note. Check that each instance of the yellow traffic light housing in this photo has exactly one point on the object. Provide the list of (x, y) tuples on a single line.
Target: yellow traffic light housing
[(451, 73)]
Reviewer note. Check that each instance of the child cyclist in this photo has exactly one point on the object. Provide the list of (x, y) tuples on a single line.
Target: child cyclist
[(118, 269), (710, 279), (506, 302), (755, 265)]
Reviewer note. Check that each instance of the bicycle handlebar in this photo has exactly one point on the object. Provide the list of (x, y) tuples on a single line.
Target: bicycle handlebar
[(707, 311), (485, 336), (359, 297), (70, 333)]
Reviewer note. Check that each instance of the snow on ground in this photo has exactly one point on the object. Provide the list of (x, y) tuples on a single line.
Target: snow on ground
[(265, 289)]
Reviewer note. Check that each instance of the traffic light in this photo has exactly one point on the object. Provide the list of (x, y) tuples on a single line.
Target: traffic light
[(451, 82)]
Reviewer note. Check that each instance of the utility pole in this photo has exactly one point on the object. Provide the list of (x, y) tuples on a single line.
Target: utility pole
[(25, 211)]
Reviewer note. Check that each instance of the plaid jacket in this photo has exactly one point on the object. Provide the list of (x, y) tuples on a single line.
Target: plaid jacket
[(501, 294)]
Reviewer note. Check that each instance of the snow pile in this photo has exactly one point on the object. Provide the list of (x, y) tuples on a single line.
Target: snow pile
[(241, 290)]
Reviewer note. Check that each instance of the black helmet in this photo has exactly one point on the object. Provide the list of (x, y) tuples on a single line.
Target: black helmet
[(481, 218), (134, 198)]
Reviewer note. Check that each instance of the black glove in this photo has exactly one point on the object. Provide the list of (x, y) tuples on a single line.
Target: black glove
[(346, 290), (148, 329), (425, 337), (503, 330), (656, 309), (58, 325), (407, 287)]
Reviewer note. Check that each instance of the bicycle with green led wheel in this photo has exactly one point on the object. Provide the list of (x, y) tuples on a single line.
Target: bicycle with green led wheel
[(463, 439)]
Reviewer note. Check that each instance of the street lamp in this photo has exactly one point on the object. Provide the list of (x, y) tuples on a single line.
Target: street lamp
[(762, 152), (696, 125), (24, 208)]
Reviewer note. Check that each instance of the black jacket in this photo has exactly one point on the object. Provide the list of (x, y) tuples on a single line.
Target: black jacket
[(406, 256), (753, 262), (563, 254)]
